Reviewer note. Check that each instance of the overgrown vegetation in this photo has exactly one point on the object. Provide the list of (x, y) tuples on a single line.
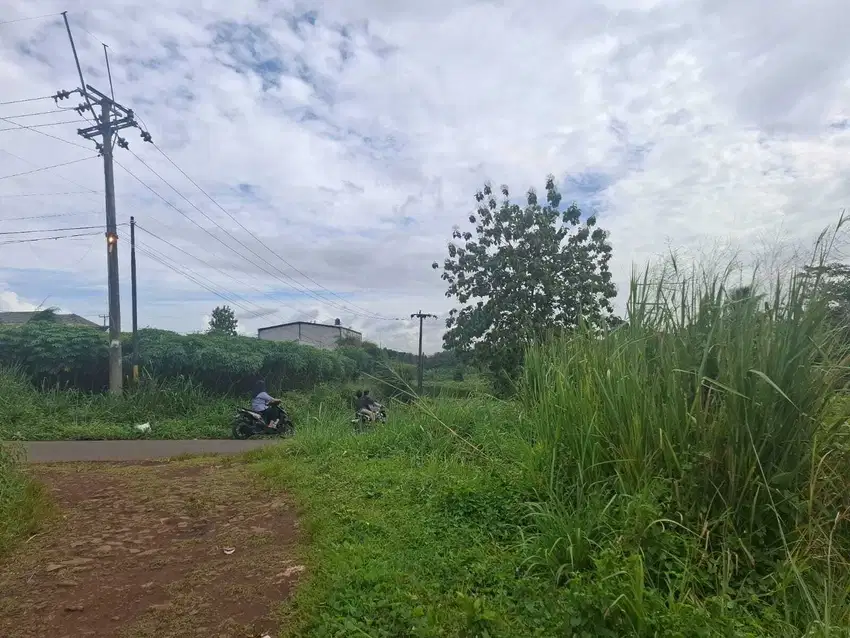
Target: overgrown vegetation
[(74, 356), (684, 475), (23, 502), (175, 408), (56, 355)]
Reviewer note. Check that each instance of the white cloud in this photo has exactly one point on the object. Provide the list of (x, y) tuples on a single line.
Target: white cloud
[(11, 302), (362, 130)]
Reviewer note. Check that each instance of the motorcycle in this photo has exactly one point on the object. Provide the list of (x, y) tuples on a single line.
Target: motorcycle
[(378, 415), (247, 423)]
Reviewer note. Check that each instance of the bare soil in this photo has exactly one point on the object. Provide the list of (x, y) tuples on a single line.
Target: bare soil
[(189, 548)]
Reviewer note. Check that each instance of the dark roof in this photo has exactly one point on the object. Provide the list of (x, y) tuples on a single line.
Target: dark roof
[(310, 323), (19, 318)]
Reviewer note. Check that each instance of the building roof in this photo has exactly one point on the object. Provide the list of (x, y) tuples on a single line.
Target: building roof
[(20, 318), (310, 323)]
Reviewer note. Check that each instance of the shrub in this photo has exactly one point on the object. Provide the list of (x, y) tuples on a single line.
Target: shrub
[(73, 356)]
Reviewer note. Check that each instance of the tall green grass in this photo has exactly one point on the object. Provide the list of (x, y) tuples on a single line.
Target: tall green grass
[(23, 503), (175, 409), (696, 453)]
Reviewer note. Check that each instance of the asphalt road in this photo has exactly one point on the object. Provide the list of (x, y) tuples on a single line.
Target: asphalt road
[(139, 450)]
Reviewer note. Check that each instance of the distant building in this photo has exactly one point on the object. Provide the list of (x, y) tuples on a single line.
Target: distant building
[(20, 318), (319, 335)]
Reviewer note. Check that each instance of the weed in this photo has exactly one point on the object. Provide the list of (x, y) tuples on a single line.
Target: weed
[(24, 504)]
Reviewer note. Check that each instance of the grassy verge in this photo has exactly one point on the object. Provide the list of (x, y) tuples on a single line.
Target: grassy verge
[(411, 532), (23, 503), (686, 475), (175, 410)]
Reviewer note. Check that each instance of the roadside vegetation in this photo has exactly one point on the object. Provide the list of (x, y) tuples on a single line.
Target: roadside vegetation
[(683, 475), (682, 472), (24, 505)]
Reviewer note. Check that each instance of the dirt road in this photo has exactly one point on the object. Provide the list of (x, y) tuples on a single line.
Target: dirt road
[(139, 450), (196, 547)]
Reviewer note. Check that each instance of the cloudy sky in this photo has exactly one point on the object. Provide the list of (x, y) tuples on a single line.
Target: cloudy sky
[(351, 135)]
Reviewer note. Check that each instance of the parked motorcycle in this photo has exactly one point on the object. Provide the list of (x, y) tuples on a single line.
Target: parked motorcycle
[(247, 423)]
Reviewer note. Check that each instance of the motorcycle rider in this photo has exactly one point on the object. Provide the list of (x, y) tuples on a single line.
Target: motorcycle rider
[(374, 406), (265, 404), (363, 404)]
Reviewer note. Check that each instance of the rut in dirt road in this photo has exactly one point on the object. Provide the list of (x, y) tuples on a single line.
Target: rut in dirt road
[(195, 548)]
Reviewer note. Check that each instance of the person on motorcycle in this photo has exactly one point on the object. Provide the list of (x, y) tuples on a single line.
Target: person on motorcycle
[(375, 408), (363, 404), (373, 405), (265, 404)]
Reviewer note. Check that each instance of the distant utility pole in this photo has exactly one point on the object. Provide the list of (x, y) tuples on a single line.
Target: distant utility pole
[(112, 118), (133, 287), (421, 316)]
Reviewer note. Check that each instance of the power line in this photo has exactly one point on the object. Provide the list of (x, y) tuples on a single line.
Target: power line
[(35, 130), (257, 239), (200, 280), (208, 265), (31, 126), (26, 241), (47, 168), (67, 179), (46, 230), (210, 286), (205, 230), (29, 217), (46, 15), (27, 99), (2, 196), (306, 290), (51, 112)]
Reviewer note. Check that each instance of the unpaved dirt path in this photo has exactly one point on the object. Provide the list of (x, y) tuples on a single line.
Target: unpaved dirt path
[(134, 450), (144, 550)]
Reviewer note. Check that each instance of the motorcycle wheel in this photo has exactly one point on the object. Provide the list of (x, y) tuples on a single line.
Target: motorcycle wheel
[(240, 429), (286, 428)]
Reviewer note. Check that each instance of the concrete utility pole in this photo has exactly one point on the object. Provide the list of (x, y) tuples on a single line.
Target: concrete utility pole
[(135, 310), (112, 118), (421, 316)]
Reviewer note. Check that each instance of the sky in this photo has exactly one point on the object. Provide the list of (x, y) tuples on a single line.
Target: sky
[(351, 136)]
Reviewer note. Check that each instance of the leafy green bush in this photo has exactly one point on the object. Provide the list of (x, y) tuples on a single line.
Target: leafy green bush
[(73, 356)]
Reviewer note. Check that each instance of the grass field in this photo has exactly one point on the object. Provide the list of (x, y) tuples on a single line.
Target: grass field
[(685, 475)]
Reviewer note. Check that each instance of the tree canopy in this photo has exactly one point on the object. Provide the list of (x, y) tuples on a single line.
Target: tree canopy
[(223, 322), (521, 272)]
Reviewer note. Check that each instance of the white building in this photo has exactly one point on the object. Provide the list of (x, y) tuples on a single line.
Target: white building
[(319, 335)]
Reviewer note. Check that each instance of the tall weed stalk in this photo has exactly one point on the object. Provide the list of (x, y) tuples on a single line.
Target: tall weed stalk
[(705, 435)]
